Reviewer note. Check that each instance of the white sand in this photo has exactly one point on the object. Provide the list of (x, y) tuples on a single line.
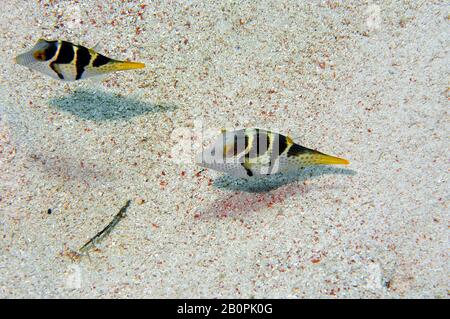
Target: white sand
[(368, 82)]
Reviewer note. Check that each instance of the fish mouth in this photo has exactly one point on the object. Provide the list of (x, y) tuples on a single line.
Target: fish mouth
[(17, 59), (201, 160)]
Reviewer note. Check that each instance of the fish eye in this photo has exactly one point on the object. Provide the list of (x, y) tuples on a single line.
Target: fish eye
[(39, 55)]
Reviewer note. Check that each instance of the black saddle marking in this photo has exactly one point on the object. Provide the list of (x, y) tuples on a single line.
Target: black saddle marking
[(83, 59), (249, 172), (296, 149), (100, 60), (66, 55)]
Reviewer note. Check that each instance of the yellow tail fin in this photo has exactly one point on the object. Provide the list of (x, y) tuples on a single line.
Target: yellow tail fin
[(325, 159), (126, 65)]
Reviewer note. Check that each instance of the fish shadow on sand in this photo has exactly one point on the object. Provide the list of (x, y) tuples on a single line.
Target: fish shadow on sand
[(104, 106), (253, 195), (271, 182)]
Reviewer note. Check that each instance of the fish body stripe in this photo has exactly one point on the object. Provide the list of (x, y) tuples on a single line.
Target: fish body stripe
[(283, 144), (100, 60), (264, 143), (260, 144), (235, 145), (83, 58), (246, 142), (247, 169), (54, 66), (269, 145), (65, 55), (296, 150)]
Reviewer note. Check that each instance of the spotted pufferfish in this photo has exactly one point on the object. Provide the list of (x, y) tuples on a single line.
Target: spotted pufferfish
[(70, 62), (256, 152)]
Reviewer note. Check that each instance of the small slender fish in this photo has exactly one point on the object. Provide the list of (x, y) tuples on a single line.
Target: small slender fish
[(105, 231), (70, 62), (257, 152)]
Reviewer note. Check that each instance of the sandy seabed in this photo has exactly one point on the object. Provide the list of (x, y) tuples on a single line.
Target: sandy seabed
[(364, 80)]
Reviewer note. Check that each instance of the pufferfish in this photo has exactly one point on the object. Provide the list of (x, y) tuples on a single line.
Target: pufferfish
[(70, 62), (256, 152)]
